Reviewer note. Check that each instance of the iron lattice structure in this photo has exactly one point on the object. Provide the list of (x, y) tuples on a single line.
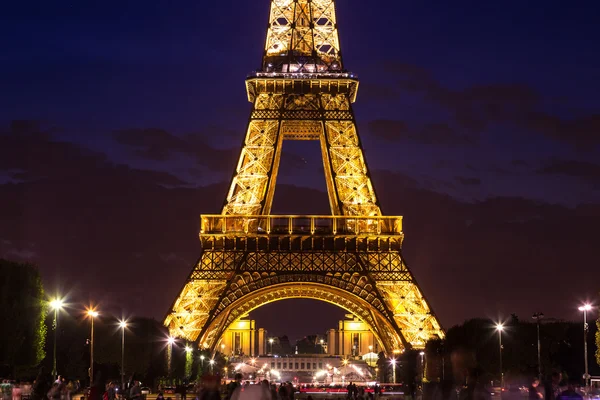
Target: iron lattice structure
[(353, 258)]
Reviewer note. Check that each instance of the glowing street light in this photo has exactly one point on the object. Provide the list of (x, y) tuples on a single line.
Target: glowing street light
[(188, 349), (56, 305), (586, 376), (393, 362), (123, 325), (422, 354), (202, 361), (211, 362), (271, 341), (170, 342), (92, 313), (500, 328)]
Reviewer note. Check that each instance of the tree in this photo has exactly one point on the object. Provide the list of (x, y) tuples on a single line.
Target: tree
[(22, 313)]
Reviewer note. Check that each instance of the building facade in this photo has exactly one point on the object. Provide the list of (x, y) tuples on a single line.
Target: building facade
[(352, 339)]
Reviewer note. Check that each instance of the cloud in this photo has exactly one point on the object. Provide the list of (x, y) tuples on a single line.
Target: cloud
[(578, 169), (476, 107), (159, 145), (430, 134), (84, 220), (36, 156), (581, 132), (468, 181)]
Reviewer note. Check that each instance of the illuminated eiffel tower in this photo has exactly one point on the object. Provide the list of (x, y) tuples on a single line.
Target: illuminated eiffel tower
[(352, 258)]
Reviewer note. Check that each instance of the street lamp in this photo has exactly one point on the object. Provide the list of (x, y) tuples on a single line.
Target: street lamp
[(202, 361), (393, 361), (500, 328), (211, 362), (56, 305), (170, 341), (322, 349), (538, 318), (586, 376), (92, 314), (422, 354), (123, 325), (271, 341)]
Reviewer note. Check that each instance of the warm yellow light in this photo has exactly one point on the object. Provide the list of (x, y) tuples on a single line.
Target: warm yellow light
[(212, 361), (92, 313), (499, 327), (56, 304), (202, 358), (123, 324), (271, 340), (253, 361), (223, 346), (188, 349)]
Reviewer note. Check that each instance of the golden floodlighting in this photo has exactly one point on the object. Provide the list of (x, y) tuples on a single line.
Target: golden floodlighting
[(351, 258)]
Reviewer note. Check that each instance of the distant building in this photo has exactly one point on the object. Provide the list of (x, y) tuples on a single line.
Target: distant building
[(352, 339)]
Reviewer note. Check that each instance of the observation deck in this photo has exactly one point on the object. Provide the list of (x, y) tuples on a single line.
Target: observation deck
[(301, 83), (301, 232)]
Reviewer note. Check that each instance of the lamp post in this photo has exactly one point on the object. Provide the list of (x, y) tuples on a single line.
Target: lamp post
[(500, 328), (56, 305), (538, 318), (92, 314), (393, 361), (170, 341), (322, 349), (123, 325), (211, 362), (422, 354), (586, 376), (271, 342), (202, 362)]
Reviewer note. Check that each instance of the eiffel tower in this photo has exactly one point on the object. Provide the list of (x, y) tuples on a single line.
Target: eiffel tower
[(351, 258)]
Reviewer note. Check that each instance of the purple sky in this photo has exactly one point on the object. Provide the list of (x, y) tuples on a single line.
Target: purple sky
[(480, 123)]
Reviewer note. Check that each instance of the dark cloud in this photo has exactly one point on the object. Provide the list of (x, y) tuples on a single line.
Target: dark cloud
[(519, 163), (391, 130), (120, 237), (430, 134), (475, 107), (468, 181), (578, 169), (31, 155), (159, 145), (581, 132)]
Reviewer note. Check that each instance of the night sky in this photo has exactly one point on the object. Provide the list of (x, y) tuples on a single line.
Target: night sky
[(121, 122)]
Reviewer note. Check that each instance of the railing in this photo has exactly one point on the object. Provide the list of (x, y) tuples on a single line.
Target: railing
[(299, 225), (303, 75)]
